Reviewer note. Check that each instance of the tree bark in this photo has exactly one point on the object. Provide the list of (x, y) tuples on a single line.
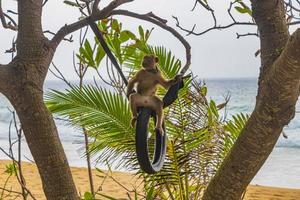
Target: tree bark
[(4, 78), (278, 93), (24, 90), (21, 81), (45, 146)]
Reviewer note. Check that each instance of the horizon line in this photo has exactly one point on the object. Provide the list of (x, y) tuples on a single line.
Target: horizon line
[(203, 78)]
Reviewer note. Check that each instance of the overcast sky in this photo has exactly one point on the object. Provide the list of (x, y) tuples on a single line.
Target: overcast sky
[(218, 54)]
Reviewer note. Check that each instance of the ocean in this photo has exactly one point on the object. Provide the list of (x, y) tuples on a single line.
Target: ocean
[(282, 169)]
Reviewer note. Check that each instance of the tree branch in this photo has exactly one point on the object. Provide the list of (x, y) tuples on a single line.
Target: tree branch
[(95, 6), (102, 14), (270, 18), (150, 17), (285, 73), (10, 25), (215, 27), (272, 26), (109, 11), (70, 39)]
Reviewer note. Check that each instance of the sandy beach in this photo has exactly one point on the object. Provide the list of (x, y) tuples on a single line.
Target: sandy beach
[(112, 188)]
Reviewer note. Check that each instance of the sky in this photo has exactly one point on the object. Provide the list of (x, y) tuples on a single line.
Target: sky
[(217, 54)]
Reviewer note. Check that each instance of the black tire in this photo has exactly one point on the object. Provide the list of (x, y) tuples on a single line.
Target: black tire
[(148, 165)]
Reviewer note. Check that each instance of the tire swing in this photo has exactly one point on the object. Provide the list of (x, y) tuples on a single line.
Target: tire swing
[(141, 137), (148, 165)]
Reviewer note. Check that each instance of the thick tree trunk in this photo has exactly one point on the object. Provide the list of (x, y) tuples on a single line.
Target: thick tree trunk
[(24, 89), (279, 86), (21, 81), (44, 143), (23, 86)]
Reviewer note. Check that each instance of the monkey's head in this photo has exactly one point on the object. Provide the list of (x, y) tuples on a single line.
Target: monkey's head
[(150, 61)]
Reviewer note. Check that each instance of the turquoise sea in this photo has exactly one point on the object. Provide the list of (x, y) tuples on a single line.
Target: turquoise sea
[(282, 169)]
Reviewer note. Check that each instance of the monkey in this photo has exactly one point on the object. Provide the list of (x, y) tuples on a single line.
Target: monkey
[(146, 80)]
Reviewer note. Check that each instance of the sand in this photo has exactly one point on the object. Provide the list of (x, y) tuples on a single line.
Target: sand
[(110, 187)]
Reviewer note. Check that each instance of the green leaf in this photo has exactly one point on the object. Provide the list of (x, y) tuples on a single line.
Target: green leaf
[(204, 90), (115, 25), (117, 47), (88, 196), (130, 35), (71, 3), (150, 193), (124, 37), (141, 32), (11, 169), (88, 48), (86, 54), (148, 33), (244, 9), (214, 108), (100, 55)]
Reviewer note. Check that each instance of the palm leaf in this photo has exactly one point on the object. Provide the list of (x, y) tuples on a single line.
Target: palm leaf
[(105, 115), (233, 129)]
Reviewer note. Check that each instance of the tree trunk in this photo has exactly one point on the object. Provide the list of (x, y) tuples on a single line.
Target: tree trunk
[(26, 95), (278, 92), (21, 81), (45, 146)]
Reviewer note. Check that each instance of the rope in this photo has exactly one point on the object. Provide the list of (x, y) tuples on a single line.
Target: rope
[(112, 58)]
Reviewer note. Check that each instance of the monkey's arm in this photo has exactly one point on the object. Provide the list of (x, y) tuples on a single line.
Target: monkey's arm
[(165, 83), (130, 85), (168, 83)]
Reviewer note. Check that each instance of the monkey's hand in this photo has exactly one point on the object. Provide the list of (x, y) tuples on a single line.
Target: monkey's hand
[(177, 79), (129, 93)]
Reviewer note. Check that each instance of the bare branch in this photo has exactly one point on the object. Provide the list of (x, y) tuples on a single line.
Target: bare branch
[(13, 48), (70, 39), (102, 14), (293, 19), (12, 12), (215, 27), (10, 25), (291, 10), (95, 6), (44, 3), (60, 75), (10, 191), (238, 35), (205, 5), (150, 17)]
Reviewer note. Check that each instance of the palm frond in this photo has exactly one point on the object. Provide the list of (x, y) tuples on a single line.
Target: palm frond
[(168, 63), (105, 115), (233, 129)]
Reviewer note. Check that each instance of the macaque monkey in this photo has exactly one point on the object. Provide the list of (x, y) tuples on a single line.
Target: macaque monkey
[(146, 81)]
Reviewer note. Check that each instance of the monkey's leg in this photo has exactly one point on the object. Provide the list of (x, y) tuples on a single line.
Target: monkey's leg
[(133, 105), (157, 105)]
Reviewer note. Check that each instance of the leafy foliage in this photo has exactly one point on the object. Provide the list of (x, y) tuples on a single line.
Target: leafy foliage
[(243, 8), (105, 115), (198, 139), (233, 128)]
